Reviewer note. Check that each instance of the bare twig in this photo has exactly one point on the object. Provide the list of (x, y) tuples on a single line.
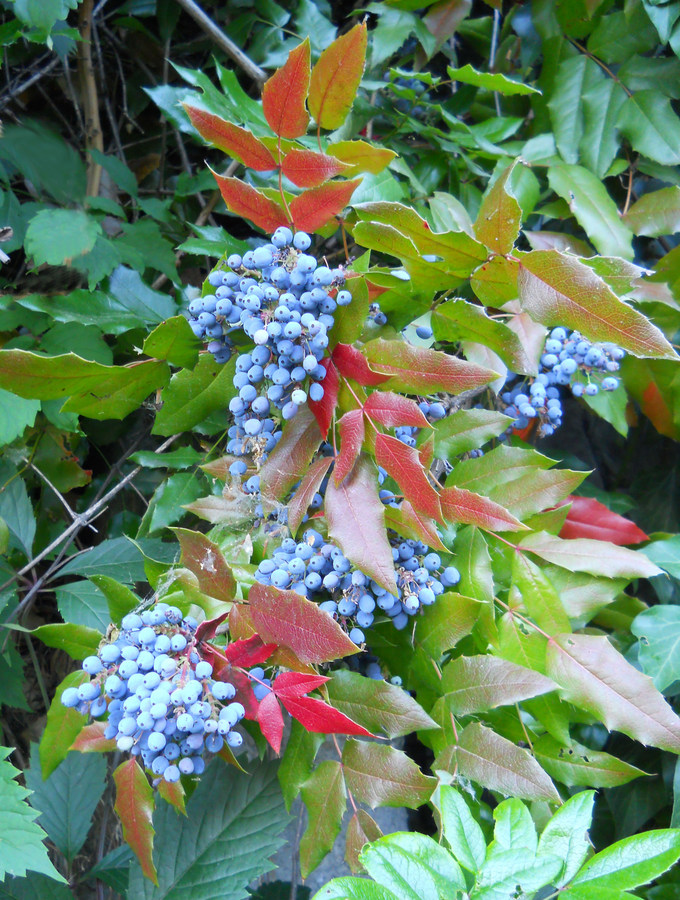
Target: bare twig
[(14, 90), (220, 38), (88, 84)]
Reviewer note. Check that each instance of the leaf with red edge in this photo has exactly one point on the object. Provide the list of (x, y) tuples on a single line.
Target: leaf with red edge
[(356, 522), (393, 410), (314, 208), (91, 739), (426, 452), (468, 508), (291, 620), (403, 464), (204, 558), (336, 76), (207, 630), (319, 717), (352, 363), (244, 200), (307, 168), (411, 524), (588, 518), (362, 157), (237, 142), (270, 720), (284, 94), (173, 793), (296, 684), (422, 371), (380, 775), (351, 427), (134, 806), (291, 457), (303, 496), (323, 409), (248, 652)]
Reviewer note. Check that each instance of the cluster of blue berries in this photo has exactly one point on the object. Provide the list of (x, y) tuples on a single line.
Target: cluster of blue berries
[(163, 704), (320, 571), (568, 360)]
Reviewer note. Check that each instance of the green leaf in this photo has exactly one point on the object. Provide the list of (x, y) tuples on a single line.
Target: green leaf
[(600, 143), (87, 308), (498, 83), (473, 684), (593, 208), (118, 557), (382, 776), (406, 877), (514, 827), (377, 705), (588, 555), (574, 74), (656, 213), (113, 869), (21, 838), (192, 396), (82, 603), (631, 862), (56, 236), (558, 288), (467, 429), (349, 888), (45, 158), (12, 681), (16, 508), (149, 306), (166, 505), (442, 625), (540, 598), (325, 798), (566, 834), (405, 852), (34, 887), (594, 676), (120, 174), (175, 342), (658, 630), (67, 800), (16, 414), (119, 598), (648, 121), (459, 828), (78, 641), (297, 762), (666, 554), (503, 872), (209, 853), (500, 215), (579, 766), (182, 458)]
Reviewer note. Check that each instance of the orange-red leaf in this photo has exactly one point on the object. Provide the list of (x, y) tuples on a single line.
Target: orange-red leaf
[(204, 558), (468, 508), (244, 200), (314, 208), (134, 806), (303, 496), (91, 739), (315, 715), (295, 684), (588, 518), (325, 408), (248, 652), (352, 363), (336, 77), (270, 720), (291, 457), (393, 410), (411, 524), (307, 169), (284, 94), (237, 142), (351, 427), (173, 793), (403, 464)]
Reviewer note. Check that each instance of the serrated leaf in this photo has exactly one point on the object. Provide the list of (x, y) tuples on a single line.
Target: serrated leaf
[(393, 410), (382, 776), (298, 758), (291, 457), (325, 798), (574, 74), (360, 830), (57, 236), (539, 596), (82, 603), (514, 827), (119, 598), (658, 631), (497, 763), (193, 395), (656, 213), (314, 208), (356, 522), (585, 555), (323, 410), (16, 413), (414, 525), (403, 464), (377, 705), (63, 726), (134, 806), (363, 157), (237, 142), (348, 888), (174, 341), (648, 121), (500, 215), (468, 508), (467, 429), (352, 363), (351, 433), (307, 168), (473, 684), (600, 143), (442, 625), (270, 720), (336, 76), (204, 558), (594, 676), (78, 641), (558, 288), (578, 766), (284, 94), (506, 871), (496, 82), (460, 829), (21, 840), (631, 862), (303, 496), (566, 834), (288, 619), (209, 853), (91, 739), (244, 200)]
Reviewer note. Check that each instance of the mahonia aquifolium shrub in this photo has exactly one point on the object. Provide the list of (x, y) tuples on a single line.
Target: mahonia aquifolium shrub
[(159, 696)]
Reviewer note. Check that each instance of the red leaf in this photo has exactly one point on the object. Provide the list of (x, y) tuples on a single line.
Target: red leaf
[(91, 739), (352, 364), (411, 524), (356, 522), (296, 684), (306, 168), (351, 427), (293, 621), (244, 690), (422, 371), (284, 94), (303, 496), (204, 558), (323, 409), (270, 719), (468, 508), (173, 793), (134, 805), (237, 142), (207, 630), (336, 76), (248, 652), (317, 716), (291, 457), (426, 452), (314, 208), (392, 410), (403, 464), (588, 518), (244, 200)]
